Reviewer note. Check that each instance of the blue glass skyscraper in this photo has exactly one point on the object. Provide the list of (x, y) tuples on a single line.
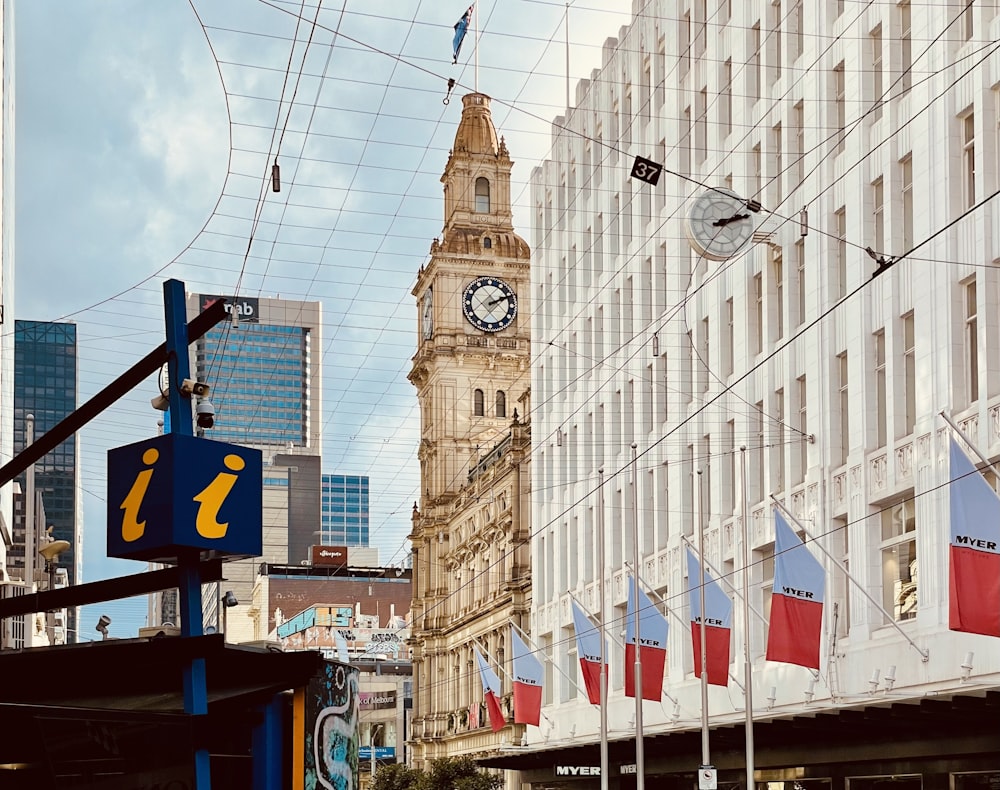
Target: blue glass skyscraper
[(264, 370), (45, 385), (344, 510)]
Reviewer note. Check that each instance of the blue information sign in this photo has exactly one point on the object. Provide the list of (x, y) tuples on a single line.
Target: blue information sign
[(174, 493)]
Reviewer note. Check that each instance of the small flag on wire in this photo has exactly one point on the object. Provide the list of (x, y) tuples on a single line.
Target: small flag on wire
[(461, 28)]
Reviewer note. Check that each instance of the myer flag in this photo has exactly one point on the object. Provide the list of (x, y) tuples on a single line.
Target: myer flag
[(796, 601), (491, 693), (528, 676), (652, 644), (461, 28), (974, 561), (718, 622), (588, 645)]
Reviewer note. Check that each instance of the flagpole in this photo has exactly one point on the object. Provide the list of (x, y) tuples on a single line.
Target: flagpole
[(747, 665), (924, 654), (603, 614), (640, 778), (706, 759), (475, 35)]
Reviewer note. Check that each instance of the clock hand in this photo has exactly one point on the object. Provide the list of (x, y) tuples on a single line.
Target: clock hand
[(723, 221), (495, 301)]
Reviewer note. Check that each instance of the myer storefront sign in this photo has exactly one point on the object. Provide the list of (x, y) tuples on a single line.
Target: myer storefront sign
[(578, 770)]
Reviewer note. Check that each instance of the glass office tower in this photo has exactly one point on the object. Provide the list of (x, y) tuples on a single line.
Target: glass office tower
[(264, 370), (344, 510), (45, 385)]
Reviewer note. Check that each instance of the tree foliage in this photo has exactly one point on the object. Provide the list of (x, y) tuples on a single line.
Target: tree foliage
[(447, 773)]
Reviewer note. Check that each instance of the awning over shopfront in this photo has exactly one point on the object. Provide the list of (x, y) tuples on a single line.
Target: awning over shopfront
[(111, 714), (878, 734)]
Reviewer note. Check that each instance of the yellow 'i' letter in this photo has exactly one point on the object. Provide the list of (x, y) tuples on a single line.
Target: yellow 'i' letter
[(132, 528), (212, 497)]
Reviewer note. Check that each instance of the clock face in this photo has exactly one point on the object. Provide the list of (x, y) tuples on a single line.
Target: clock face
[(489, 304), (719, 224), (428, 315)]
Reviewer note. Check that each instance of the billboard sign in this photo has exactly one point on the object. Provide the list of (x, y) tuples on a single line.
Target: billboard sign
[(335, 556)]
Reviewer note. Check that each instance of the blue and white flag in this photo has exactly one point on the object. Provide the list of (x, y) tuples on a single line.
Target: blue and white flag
[(461, 28)]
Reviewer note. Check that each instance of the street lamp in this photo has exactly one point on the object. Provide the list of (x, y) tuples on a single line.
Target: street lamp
[(229, 600), (50, 551)]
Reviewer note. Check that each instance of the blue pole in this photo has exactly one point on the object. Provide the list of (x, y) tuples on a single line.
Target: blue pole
[(266, 746), (182, 422)]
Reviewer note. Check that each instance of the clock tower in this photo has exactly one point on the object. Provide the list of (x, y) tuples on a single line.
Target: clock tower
[(472, 358), (470, 536)]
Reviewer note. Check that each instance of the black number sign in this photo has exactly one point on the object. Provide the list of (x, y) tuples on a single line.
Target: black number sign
[(646, 170)]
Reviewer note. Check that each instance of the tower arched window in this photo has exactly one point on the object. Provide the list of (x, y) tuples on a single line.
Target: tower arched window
[(478, 404), (482, 195), (501, 403), (487, 242)]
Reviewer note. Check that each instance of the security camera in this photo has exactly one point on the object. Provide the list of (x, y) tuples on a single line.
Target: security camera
[(191, 387), (205, 414)]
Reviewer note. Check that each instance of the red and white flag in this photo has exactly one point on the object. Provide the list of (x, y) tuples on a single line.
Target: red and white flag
[(974, 555), (652, 643), (718, 623), (588, 645), (491, 693), (793, 635), (528, 679)]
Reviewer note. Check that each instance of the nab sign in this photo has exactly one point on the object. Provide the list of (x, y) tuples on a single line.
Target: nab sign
[(173, 493)]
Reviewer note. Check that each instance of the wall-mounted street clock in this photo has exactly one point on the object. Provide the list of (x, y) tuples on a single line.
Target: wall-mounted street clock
[(489, 304), (719, 224)]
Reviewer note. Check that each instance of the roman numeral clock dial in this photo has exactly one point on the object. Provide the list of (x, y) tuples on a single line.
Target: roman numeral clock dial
[(489, 304)]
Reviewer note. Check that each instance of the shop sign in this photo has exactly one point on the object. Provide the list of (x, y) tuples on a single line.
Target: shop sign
[(578, 770)]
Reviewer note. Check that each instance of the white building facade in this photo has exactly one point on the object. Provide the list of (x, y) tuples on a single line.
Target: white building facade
[(855, 126)]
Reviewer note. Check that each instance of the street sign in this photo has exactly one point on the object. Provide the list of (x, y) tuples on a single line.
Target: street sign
[(646, 170), (708, 777), (174, 493)]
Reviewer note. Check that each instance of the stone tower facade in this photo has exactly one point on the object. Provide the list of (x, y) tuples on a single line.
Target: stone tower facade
[(471, 532)]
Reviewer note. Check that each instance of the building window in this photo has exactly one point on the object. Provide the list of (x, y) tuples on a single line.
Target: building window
[(969, 159), (880, 393), (778, 265), (798, 120), (899, 560), (726, 109), (758, 305), (778, 451), (487, 243), (754, 73), (478, 405), (909, 375), (800, 280), (482, 195), (779, 167), (757, 170), (876, 44), (966, 23), (840, 99), (906, 187), (840, 231), (701, 126), (972, 341), (906, 58), (776, 33), (878, 211), (844, 402), (501, 403), (727, 349), (803, 427)]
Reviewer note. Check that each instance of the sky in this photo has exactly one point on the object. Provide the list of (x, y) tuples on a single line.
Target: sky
[(145, 134)]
